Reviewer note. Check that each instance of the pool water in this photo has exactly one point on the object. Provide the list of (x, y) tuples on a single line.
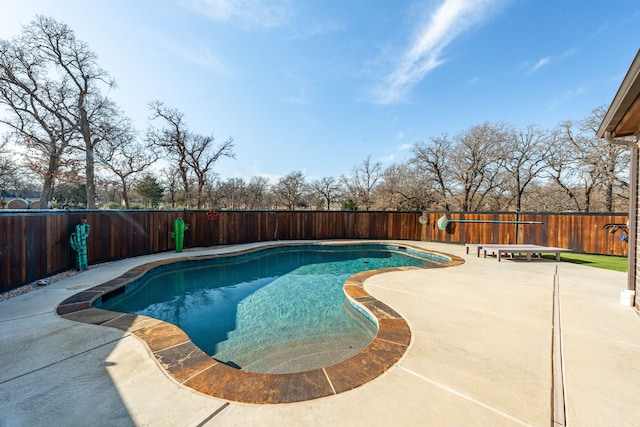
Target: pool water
[(278, 310)]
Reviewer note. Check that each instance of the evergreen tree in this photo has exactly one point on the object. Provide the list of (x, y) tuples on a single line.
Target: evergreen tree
[(150, 191)]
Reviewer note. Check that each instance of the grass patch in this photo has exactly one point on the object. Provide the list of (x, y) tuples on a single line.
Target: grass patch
[(615, 263)]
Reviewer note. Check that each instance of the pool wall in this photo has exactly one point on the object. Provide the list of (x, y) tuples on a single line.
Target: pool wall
[(190, 366)]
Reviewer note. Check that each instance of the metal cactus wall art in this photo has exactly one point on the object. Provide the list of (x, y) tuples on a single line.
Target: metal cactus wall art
[(179, 227), (78, 241)]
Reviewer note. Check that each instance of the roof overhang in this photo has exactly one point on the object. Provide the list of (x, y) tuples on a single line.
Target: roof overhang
[(623, 116)]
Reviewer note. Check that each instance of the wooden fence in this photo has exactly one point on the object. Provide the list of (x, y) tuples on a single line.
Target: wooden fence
[(35, 244)]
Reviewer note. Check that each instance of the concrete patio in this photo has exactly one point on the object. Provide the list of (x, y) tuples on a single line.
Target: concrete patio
[(481, 354)]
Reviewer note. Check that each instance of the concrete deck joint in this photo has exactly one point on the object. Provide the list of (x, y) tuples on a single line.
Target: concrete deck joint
[(557, 370), (216, 412), (465, 396), (59, 361)]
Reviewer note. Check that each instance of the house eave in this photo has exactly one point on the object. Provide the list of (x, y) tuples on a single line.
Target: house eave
[(623, 116)]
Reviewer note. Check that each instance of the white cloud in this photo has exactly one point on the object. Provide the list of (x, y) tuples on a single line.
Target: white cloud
[(424, 53), (248, 13)]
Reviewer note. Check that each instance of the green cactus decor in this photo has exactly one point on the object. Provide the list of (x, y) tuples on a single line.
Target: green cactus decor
[(78, 241), (179, 227)]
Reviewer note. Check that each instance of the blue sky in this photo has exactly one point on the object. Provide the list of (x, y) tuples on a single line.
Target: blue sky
[(320, 85)]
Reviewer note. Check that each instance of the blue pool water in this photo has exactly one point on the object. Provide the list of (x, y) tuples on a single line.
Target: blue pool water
[(276, 310)]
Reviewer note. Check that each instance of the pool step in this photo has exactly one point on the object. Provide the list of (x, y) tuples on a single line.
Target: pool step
[(295, 355), (241, 342), (248, 348)]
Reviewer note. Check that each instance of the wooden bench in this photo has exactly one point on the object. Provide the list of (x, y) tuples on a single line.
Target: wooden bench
[(512, 250), (479, 246)]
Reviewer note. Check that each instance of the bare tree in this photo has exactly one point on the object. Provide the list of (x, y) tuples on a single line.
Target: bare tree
[(257, 193), (546, 196), (524, 159), (52, 83), (614, 160), (171, 183), (193, 155), (232, 193), (290, 190), (126, 159), (110, 190), (201, 156), (173, 140), (9, 172), (587, 168), (564, 171), (32, 100), (363, 180), (475, 163), (81, 78), (432, 161), (405, 188), (328, 189), (572, 170)]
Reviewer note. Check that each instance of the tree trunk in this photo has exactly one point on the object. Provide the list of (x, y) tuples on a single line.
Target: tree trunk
[(85, 130), (91, 182), (47, 192), (125, 193), (49, 178), (609, 202), (587, 199), (185, 185)]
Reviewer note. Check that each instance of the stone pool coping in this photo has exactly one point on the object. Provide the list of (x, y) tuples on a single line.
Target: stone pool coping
[(190, 366)]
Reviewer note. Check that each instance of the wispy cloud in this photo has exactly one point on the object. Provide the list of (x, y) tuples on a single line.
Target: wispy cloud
[(264, 14), (387, 159), (566, 96), (271, 178), (598, 31), (298, 99), (298, 84), (425, 52), (541, 63), (319, 29), (194, 52), (201, 57)]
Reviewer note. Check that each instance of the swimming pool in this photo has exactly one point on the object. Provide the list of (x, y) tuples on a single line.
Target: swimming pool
[(278, 310), (188, 365)]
